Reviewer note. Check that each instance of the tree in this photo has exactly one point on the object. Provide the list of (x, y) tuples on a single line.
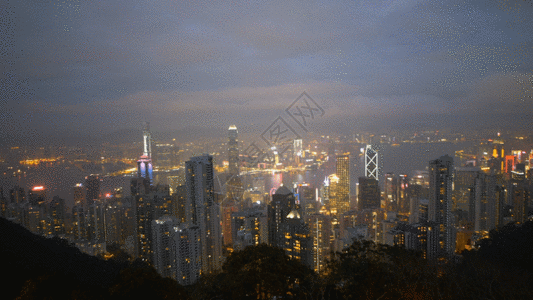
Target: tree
[(366, 270), (262, 272)]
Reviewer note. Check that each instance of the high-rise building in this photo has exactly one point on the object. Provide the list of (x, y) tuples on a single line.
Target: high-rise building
[(371, 163), (92, 185), (147, 140), (465, 178), (187, 252), (162, 233), (202, 210), (56, 215), (145, 168), (296, 240), (343, 187), (282, 203), (307, 199), (390, 185), (369, 195), (79, 194), (440, 206), (233, 151), (402, 195), (321, 232)]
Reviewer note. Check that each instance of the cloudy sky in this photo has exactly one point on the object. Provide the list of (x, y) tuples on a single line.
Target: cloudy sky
[(97, 66)]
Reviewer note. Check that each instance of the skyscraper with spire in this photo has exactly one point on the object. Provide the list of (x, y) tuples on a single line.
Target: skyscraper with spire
[(147, 140)]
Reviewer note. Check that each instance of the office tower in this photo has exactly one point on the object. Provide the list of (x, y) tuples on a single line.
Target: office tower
[(229, 207), (37, 195), (296, 240), (369, 195), (371, 163), (465, 178), (233, 151), (92, 185), (320, 230), (402, 195), (519, 198), (307, 199), (78, 223), (165, 155), (79, 194), (343, 187), (202, 210), (162, 233), (298, 151), (248, 228), (282, 203), (147, 140), (391, 184), (95, 222), (519, 173), (440, 206), (57, 216), (331, 195), (480, 202), (234, 188), (37, 210), (140, 187)]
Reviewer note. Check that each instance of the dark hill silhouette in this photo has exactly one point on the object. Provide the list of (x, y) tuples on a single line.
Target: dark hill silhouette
[(51, 268)]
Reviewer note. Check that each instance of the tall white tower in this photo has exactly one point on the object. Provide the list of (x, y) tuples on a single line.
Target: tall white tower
[(147, 139)]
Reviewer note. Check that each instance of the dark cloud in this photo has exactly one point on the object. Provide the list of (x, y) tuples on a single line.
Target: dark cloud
[(86, 66)]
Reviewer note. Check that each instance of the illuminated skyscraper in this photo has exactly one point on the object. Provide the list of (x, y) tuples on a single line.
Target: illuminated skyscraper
[(202, 211), (343, 187), (371, 163), (402, 196), (440, 206), (298, 150), (144, 168), (233, 151), (147, 140), (56, 215), (321, 232), (296, 240), (390, 192)]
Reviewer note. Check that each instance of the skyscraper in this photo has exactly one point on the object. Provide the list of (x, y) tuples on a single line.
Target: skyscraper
[(92, 185), (283, 201), (369, 196), (233, 151), (371, 163), (147, 140), (343, 187), (202, 211), (440, 206)]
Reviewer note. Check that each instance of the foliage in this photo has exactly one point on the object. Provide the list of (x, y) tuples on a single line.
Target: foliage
[(260, 272)]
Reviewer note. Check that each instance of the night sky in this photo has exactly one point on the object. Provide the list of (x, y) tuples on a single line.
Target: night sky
[(92, 67)]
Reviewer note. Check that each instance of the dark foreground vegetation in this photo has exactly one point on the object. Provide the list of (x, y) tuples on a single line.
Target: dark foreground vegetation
[(41, 268)]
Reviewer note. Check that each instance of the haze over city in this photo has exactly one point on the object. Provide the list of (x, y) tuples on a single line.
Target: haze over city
[(82, 68), (377, 149)]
